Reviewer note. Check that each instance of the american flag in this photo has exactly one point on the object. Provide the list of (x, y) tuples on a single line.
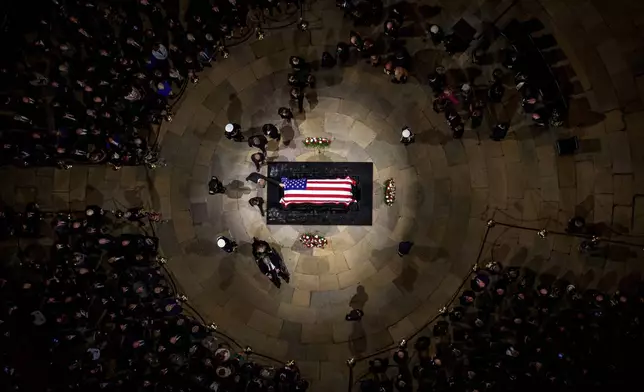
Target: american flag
[(331, 191)]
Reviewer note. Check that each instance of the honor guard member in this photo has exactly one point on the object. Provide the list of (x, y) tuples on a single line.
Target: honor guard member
[(226, 244), (233, 132), (436, 34), (407, 137)]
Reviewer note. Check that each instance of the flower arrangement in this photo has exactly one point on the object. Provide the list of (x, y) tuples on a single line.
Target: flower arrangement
[(390, 192), (313, 240), (317, 142)]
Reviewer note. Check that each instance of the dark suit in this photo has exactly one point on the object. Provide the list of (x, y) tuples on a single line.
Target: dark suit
[(255, 177)]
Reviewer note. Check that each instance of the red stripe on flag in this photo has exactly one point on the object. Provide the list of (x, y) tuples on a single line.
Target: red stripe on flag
[(307, 194), (316, 202), (343, 180), (334, 190)]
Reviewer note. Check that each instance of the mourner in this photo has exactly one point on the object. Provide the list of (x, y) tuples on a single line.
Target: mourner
[(258, 159), (496, 91), (298, 64), (285, 113), (215, 186), (500, 131), (297, 95), (259, 141), (327, 61), (476, 113), (437, 81), (257, 202), (271, 131)]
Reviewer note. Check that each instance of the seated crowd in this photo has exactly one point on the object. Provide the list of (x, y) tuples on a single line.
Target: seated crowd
[(84, 81), (98, 314), (511, 332)]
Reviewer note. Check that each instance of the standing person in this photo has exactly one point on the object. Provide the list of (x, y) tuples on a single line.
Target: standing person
[(298, 95), (400, 75), (449, 95), (160, 55), (453, 118), (342, 52), (437, 81), (258, 159), (261, 180), (439, 104), (215, 186), (407, 137), (467, 94), (258, 141), (297, 63), (271, 131), (356, 41), (257, 202), (391, 28), (476, 113), (500, 131), (285, 114), (226, 244), (233, 132), (327, 61), (496, 91), (556, 118), (404, 248)]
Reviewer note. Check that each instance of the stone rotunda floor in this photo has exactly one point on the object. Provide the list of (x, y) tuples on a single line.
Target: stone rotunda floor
[(446, 189), (363, 113)]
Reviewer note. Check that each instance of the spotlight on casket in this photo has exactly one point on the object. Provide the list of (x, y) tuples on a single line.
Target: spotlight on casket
[(303, 25)]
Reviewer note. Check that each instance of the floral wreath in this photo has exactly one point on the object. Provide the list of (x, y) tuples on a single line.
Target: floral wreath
[(390, 192), (311, 240), (317, 142)]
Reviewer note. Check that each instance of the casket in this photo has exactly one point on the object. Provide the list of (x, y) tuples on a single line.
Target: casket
[(319, 192)]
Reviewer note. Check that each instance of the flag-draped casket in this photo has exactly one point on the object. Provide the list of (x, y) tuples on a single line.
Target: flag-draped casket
[(338, 191)]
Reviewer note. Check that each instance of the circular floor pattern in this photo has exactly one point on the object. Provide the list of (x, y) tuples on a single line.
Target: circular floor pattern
[(363, 113)]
